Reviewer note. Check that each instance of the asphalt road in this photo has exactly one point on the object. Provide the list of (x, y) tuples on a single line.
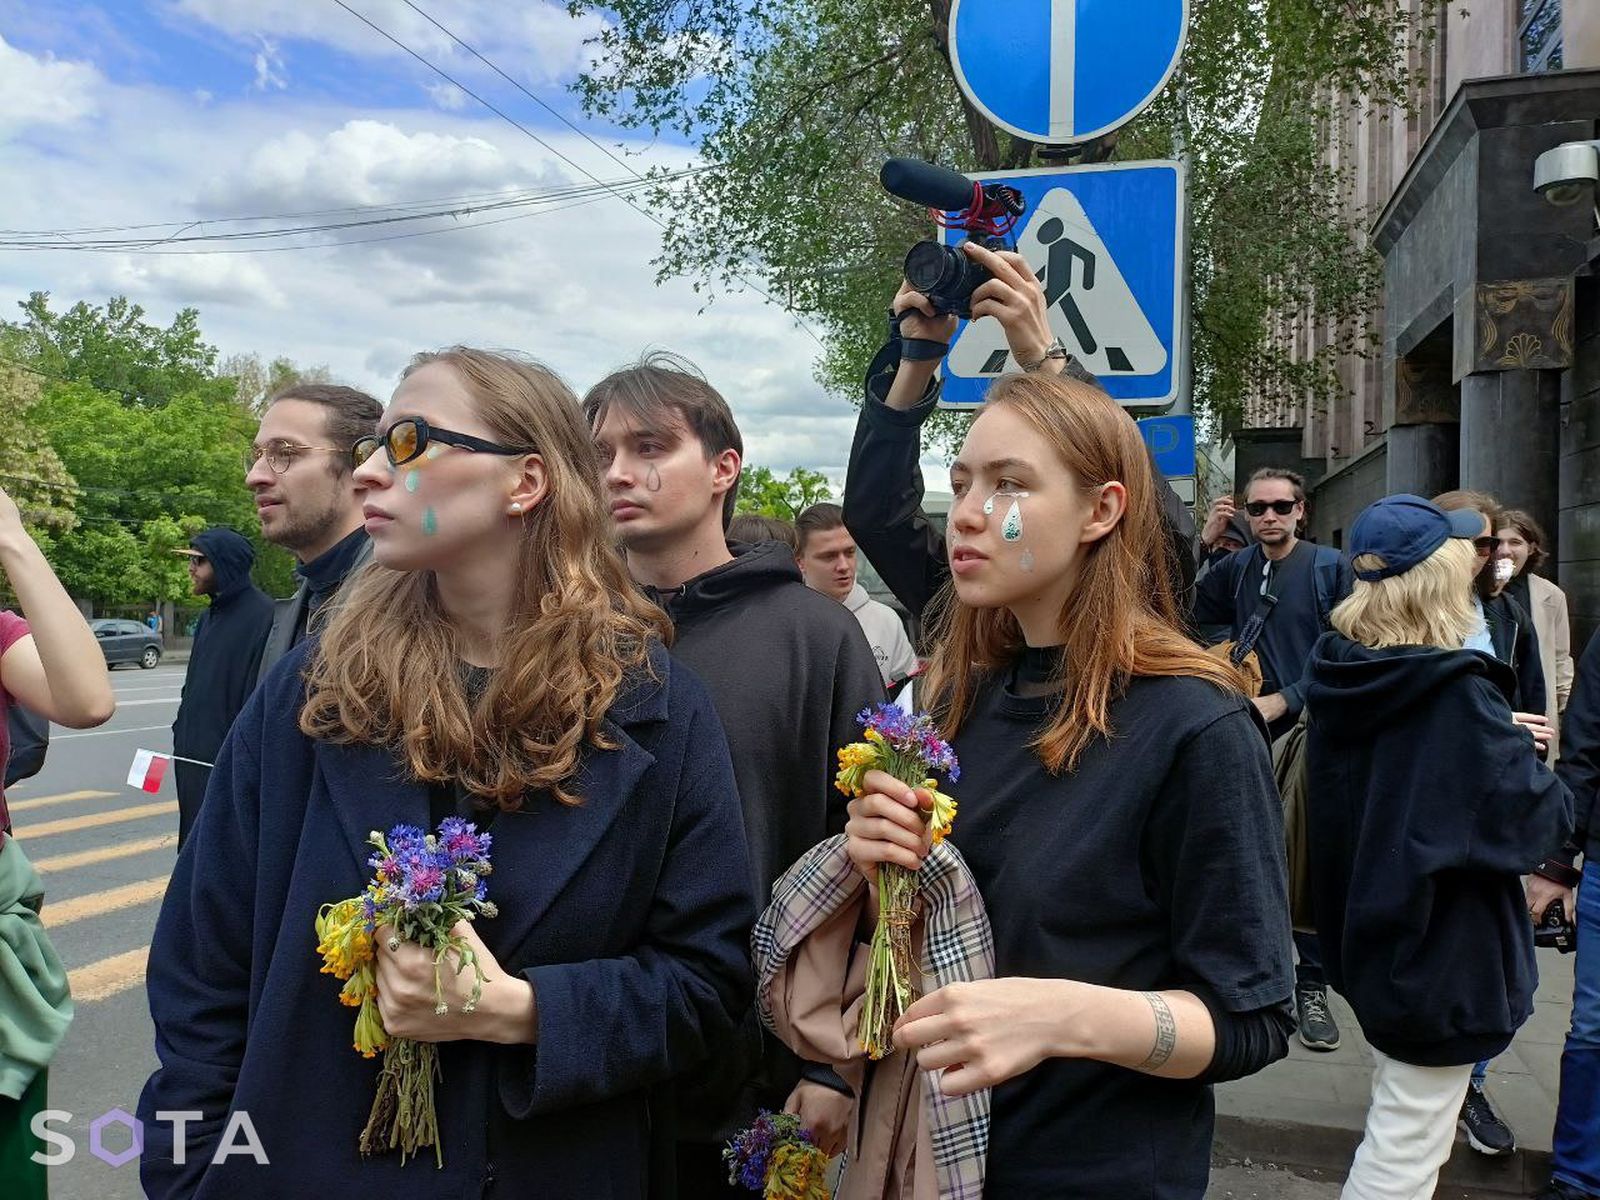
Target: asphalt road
[(105, 851)]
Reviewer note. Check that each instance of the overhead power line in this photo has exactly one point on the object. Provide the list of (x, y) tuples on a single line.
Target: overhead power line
[(191, 232), (521, 128)]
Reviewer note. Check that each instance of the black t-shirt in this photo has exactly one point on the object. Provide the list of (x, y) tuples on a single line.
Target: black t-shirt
[(1157, 864)]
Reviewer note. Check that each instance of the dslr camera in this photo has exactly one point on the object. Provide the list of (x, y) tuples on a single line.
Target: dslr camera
[(987, 213), (1556, 929)]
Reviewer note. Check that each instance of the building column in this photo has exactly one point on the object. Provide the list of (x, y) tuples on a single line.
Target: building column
[(1423, 459), (1511, 439)]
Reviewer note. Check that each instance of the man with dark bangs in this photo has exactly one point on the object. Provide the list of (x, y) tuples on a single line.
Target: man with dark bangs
[(788, 670)]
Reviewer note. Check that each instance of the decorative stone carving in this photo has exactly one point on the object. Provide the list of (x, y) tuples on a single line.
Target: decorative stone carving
[(1519, 324)]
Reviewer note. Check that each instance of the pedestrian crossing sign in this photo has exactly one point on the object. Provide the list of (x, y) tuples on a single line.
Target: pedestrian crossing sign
[(1106, 241)]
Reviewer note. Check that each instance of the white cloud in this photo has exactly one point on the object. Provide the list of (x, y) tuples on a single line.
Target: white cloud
[(197, 279), (269, 67), (446, 95), (45, 91), (574, 288), (534, 41)]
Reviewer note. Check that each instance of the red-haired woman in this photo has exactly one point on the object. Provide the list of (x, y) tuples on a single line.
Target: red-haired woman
[(1118, 811)]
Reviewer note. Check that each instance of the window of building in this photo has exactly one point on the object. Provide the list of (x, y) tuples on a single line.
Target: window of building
[(1539, 32)]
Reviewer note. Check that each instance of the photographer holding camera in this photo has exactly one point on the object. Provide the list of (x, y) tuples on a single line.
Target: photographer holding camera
[(884, 488)]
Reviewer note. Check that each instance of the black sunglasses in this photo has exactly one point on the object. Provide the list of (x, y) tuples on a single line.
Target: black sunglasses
[(408, 437), (1486, 545), (1283, 508)]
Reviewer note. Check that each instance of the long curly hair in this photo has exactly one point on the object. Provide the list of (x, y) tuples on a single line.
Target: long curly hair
[(1122, 617), (387, 671)]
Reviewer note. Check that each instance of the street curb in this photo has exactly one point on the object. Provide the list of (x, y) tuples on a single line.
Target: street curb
[(1327, 1148)]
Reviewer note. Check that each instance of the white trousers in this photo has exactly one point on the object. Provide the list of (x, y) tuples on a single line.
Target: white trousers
[(1411, 1127)]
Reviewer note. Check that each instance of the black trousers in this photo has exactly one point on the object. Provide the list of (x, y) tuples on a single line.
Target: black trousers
[(190, 780)]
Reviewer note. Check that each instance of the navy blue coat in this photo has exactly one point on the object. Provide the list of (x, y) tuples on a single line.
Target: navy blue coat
[(629, 915)]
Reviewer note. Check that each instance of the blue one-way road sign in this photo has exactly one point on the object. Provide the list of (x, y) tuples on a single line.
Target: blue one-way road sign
[(1065, 71), (1106, 241)]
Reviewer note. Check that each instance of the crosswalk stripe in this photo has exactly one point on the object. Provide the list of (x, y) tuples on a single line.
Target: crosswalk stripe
[(98, 904), (100, 854), (100, 980), (94, 820), (17, 806)]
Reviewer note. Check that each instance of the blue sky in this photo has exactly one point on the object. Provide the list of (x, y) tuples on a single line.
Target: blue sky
[(127, 111)]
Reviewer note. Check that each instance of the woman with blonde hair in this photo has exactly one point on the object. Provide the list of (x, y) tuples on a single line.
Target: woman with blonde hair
[(1117, 812), (1425, 805), (495, 663)]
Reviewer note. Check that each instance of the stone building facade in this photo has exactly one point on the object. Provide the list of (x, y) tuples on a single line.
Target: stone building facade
[(1487, 373)]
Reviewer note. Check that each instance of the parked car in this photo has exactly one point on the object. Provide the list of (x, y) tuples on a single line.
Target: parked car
[(127, 642)]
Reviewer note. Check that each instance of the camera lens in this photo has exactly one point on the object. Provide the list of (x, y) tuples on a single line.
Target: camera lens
[(930, 267)]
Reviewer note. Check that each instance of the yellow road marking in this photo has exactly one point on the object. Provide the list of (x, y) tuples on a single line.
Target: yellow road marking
[(40, 801), (93, 820), (99, 980), (98, 904), (86, 858)]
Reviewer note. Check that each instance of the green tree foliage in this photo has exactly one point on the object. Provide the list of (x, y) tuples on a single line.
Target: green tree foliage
[(30, 469), (125, 445), (768, 495), (794, 104), (113, 348)]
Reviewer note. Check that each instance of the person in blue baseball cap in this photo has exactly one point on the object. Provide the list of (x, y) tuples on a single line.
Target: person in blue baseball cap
[(1425, 805)]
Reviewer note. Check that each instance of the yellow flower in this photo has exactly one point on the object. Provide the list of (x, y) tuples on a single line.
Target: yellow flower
[(370, 1035), (362, 985), (943, 815), (854, 762), (342, 938), (872, 735), (797, 1171)]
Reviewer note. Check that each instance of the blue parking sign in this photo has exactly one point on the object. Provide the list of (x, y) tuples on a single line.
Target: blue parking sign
[(1065, 71), (1106, 241)]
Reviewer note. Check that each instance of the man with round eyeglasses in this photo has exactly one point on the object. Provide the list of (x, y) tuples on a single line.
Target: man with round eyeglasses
[(299, 469)]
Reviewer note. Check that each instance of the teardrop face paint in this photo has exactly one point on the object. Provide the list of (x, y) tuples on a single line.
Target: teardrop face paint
[(1011, 528), (988, 507), (1026, 562), (430, 522), (413, 480)]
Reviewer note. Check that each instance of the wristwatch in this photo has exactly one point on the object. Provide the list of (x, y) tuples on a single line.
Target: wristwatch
[(1056, 349)]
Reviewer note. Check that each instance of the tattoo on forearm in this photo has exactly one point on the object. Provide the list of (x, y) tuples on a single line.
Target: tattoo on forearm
[(1166, 1033)]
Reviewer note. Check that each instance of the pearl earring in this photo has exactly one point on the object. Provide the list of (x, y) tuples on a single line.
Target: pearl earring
[(516, 508)]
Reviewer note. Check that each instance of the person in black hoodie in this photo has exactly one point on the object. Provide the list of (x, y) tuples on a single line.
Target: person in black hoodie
[(1426, 803), (223, 662), (788, 671)]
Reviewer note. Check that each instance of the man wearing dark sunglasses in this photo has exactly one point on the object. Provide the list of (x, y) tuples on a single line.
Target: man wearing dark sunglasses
[(1275, 598), (300, 471)]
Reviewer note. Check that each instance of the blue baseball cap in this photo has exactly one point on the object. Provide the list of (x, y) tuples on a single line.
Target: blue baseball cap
[(1405, 530)]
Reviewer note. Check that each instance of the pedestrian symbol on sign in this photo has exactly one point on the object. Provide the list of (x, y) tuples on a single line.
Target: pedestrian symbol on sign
[(1091, 307)]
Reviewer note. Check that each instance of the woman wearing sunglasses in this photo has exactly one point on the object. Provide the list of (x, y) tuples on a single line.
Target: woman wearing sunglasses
[(494, 662)]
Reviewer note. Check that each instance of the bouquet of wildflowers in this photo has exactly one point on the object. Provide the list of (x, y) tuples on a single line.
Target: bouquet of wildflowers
[(908, 747), (777, 1158), (422, 885)]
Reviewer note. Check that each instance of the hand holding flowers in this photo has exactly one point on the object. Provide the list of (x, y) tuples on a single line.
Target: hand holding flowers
[(504, 1013), (425, 891), (901, 751)]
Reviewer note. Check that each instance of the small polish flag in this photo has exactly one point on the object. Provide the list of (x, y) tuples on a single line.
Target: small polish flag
[(149, 768)]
